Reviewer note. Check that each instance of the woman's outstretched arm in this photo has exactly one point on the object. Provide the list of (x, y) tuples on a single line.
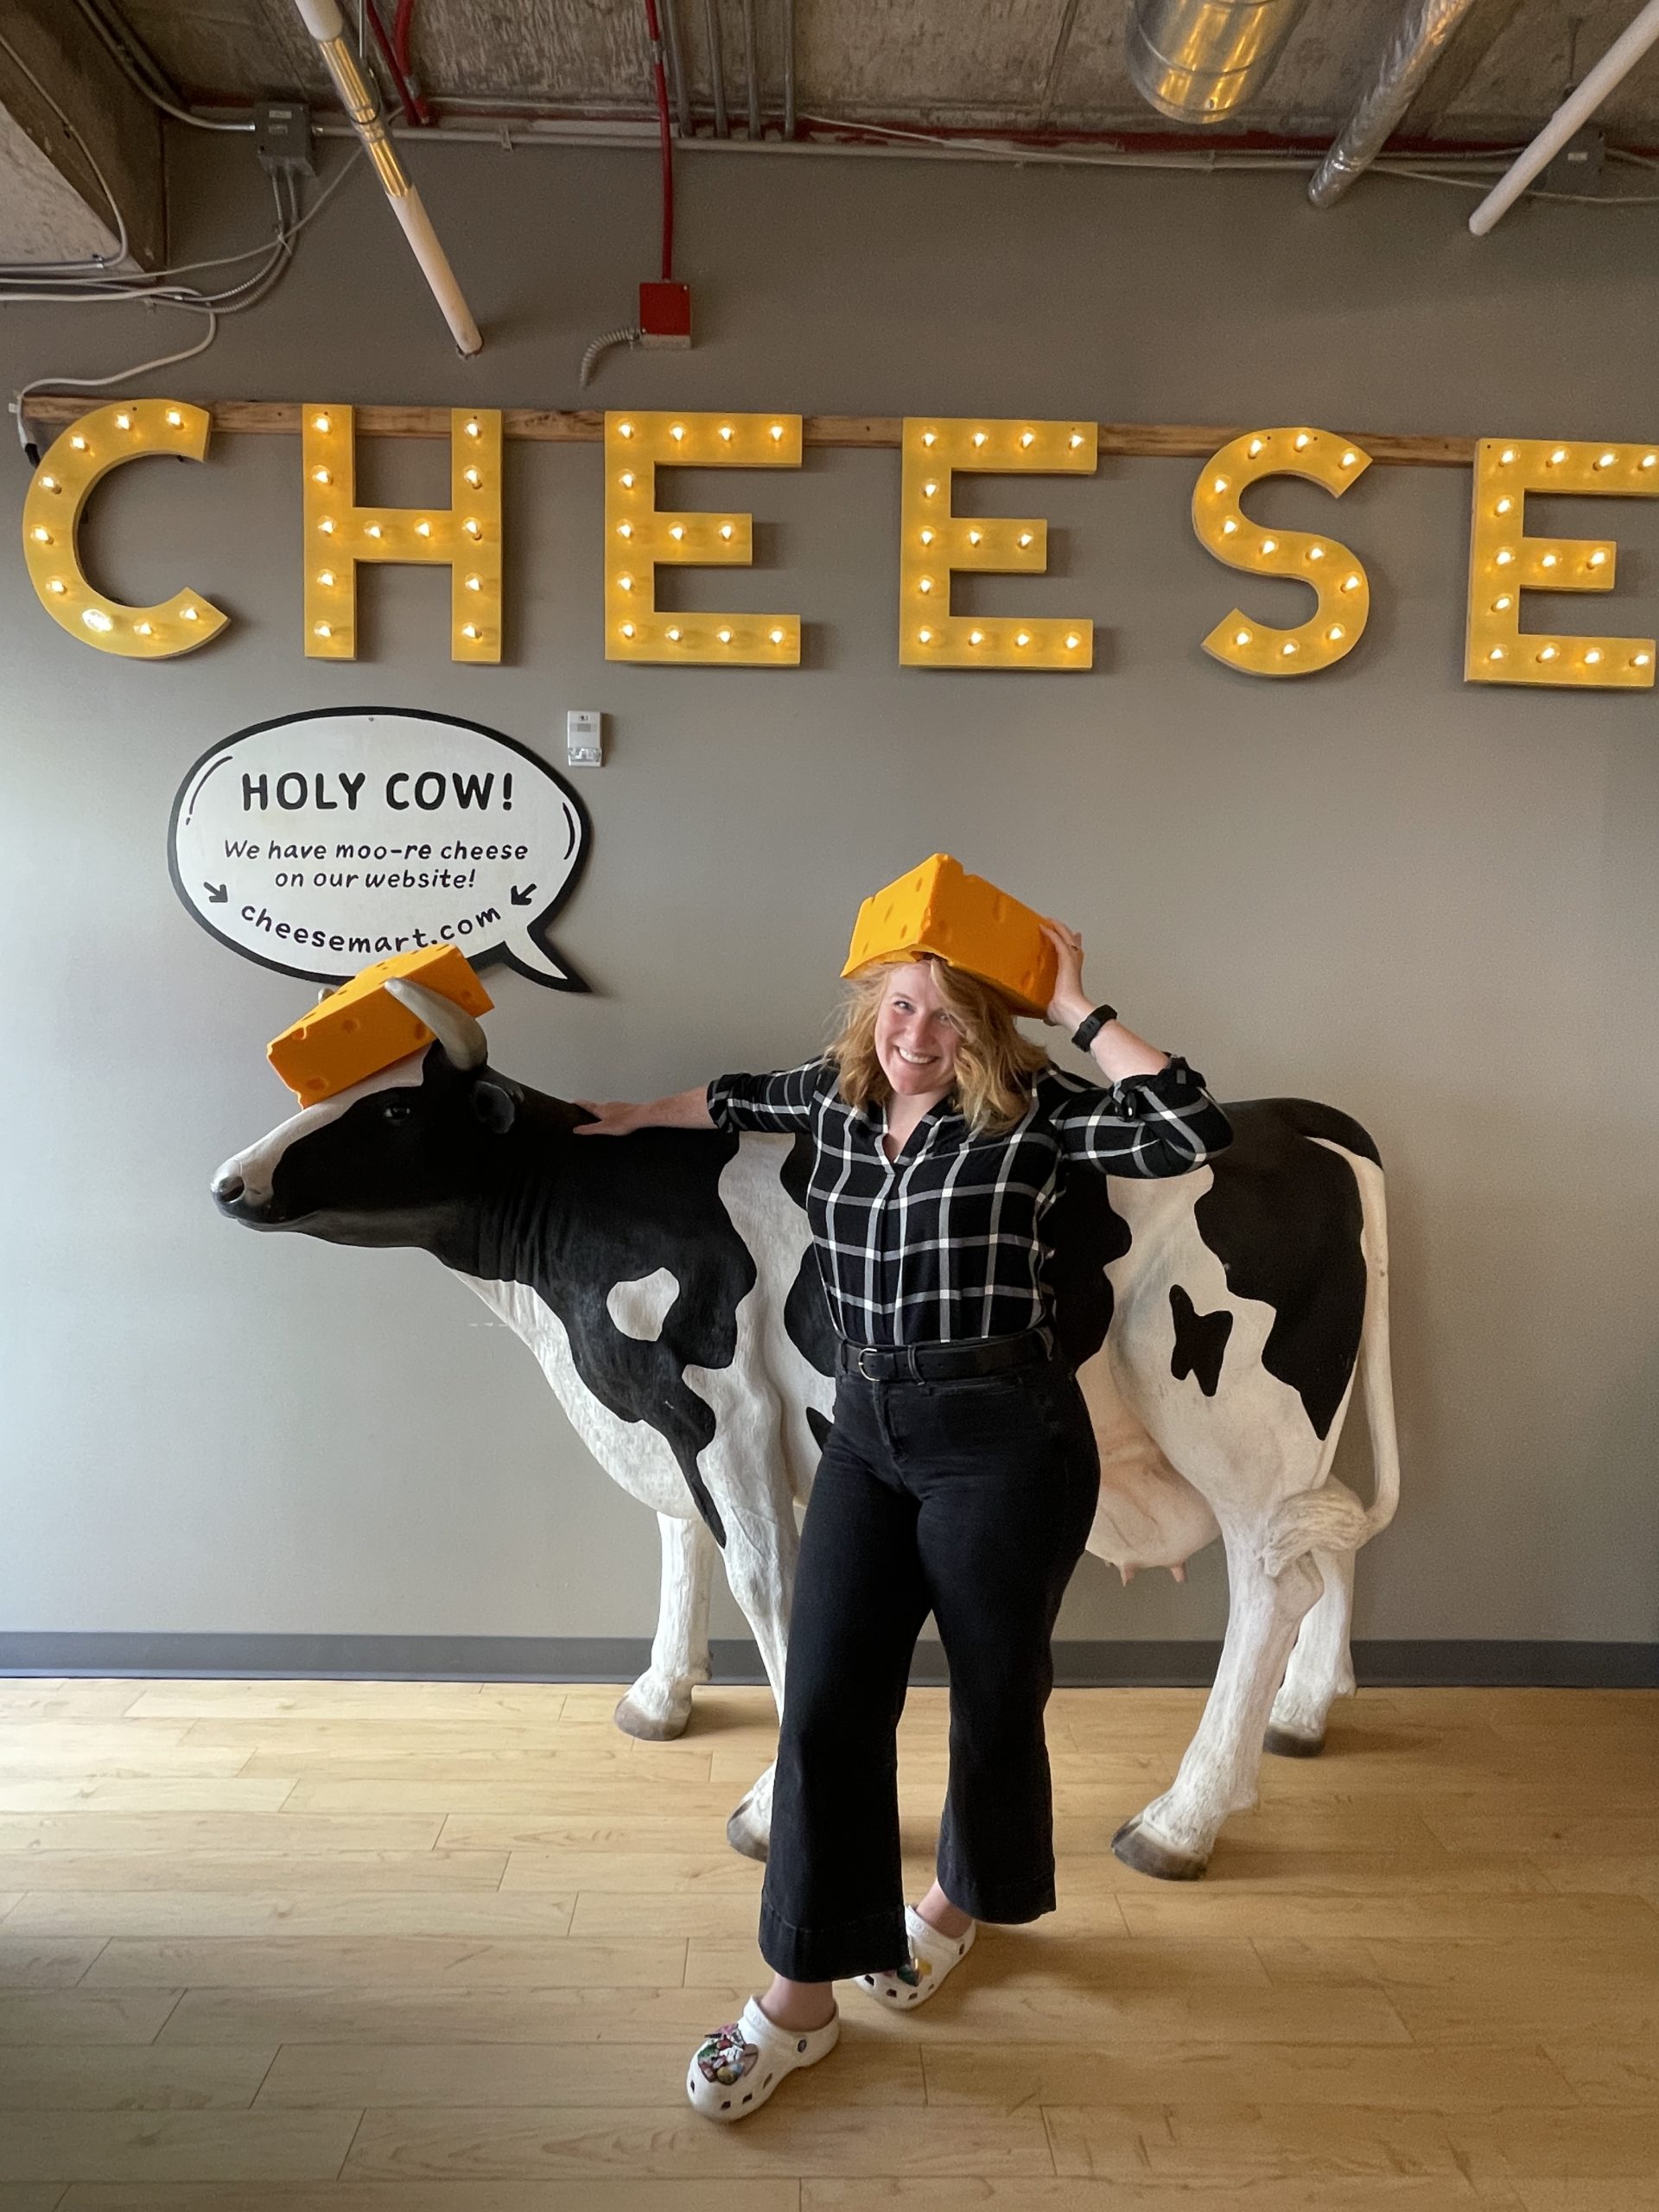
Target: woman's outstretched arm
[(617, 1118), (786, 1099)]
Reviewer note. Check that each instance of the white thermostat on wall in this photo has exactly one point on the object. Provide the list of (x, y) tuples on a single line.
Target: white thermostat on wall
[(584, 742)]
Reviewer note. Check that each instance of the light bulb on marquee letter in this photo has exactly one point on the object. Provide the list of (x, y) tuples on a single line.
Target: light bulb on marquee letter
[(640, 536), (51, 510), (933, 541), (1340, 583), (466, 536), (1503, 562)]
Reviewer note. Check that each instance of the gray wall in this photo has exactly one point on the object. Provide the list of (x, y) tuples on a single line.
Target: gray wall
[(1431, 905)]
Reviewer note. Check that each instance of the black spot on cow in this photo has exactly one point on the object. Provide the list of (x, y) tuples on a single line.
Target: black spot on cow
[(1200, 1341), (1084, 1235), (806, 1309), (1283, 1217)]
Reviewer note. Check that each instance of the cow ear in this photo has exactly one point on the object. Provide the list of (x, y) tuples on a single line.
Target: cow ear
[(495, 1106)]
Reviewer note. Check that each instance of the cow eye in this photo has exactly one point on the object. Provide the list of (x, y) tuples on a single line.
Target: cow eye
[(397, 1109)]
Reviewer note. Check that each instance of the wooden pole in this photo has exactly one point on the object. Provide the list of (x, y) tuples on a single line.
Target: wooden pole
[(585, 426)]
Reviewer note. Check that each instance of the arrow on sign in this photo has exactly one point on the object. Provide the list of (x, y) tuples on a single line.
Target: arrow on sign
[(522, 898), (217, 894)]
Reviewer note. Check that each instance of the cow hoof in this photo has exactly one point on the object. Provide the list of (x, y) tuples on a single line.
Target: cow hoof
[(636, 1719), (743, 1836), (1291, 1744), (1147, 1856)]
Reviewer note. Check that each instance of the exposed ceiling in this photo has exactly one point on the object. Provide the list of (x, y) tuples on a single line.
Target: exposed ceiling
[(1016, 66)]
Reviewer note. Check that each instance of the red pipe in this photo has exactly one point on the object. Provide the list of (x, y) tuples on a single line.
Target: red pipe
[(415, 108), (400, 34), (654, 31)]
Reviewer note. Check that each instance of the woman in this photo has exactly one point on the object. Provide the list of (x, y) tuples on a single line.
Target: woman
[(960, 1477)]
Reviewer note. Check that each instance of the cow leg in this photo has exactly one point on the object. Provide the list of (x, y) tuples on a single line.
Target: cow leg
[(1174, 1837), (658, 1706), (1321, 1667), (759, 1560)]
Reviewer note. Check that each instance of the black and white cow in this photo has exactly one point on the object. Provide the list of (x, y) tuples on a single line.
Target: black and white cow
[(667, 1284)]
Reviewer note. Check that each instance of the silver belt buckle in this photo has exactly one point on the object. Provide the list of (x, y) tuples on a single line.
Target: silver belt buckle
[(862, 1350)]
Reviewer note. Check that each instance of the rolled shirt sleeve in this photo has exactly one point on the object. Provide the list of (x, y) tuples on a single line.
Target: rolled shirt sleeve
[(1152, 1125), (786, 1099)]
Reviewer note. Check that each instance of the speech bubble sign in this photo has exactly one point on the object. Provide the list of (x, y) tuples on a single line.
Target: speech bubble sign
[(319, 842)]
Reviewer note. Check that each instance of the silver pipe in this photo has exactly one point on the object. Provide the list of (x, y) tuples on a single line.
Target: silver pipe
[(676, 64), (751, 68), (507, 138), (789, 69), (1199, 61), (716, 68), (1414, 45)]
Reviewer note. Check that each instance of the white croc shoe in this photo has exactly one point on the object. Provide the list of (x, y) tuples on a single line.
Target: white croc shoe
[(735, 2069), (933, 1954)]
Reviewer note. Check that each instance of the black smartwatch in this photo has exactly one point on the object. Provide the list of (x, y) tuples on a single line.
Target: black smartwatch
[(1091, 1025)]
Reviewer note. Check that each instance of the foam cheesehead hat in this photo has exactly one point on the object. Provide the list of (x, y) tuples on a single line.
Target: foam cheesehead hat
[(963, 920), (359, 1029)]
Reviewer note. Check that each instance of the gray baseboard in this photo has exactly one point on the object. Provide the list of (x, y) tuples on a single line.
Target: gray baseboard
[(1452, 1662)]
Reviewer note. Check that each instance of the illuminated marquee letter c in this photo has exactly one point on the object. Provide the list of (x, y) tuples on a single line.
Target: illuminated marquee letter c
[(1339, 582), (99, 442)]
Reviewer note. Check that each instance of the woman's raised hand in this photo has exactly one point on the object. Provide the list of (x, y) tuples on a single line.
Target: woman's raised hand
[(1071, 1001)]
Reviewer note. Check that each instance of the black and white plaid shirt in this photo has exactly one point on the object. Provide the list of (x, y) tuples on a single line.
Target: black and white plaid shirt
[(946, 1241)]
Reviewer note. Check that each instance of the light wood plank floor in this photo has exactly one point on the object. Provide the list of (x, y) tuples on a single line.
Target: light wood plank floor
[(444, 1948)]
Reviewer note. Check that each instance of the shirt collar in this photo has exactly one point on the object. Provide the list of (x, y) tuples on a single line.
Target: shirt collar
[(937, 1118)]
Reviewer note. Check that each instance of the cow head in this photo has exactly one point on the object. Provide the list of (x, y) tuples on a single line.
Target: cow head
[(392, 1160)]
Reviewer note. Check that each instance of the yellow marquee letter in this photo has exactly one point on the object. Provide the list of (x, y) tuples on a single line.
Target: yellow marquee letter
[(640, 536), (1503, 562), (51, 509), (933, 541), (1338, 582), (466, 535)]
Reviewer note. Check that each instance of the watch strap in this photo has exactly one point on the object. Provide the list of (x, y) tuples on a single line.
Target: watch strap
[(1091, 1025)]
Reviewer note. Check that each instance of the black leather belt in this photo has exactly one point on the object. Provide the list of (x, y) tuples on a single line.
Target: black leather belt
[(942, 1363)]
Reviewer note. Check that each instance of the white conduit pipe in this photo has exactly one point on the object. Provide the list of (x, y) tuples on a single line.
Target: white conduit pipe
[(322, 20), (1619, 60)]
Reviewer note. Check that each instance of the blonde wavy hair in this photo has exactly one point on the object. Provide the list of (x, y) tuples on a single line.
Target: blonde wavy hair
[(994, 1063)]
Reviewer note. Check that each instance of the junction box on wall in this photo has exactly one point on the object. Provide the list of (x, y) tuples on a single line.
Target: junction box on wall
[(665, 314)]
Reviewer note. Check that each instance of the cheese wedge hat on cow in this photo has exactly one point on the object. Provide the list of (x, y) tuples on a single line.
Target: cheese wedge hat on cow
[(938, 909)]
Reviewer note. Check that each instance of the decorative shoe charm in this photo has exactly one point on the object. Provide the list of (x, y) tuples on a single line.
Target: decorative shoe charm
[(725, 2058)]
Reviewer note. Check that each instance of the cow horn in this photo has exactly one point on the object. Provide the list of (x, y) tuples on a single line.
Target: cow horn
[(459, 1034)]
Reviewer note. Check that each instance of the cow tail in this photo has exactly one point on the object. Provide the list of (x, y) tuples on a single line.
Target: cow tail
[(1330, 1518)]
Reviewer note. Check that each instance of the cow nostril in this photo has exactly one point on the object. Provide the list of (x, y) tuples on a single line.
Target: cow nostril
[(229, 1188)]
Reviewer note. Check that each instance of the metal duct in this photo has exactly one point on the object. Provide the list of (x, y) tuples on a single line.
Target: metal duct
[(1416, 43), (1199, 60)]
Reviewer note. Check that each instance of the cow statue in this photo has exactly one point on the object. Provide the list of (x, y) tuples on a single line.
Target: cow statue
[(667, 1283)]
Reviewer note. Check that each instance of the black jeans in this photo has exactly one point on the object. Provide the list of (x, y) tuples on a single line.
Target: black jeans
[(973, 1499)]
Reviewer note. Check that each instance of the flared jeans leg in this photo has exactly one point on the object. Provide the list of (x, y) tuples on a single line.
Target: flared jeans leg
[(974, 1499), (833, 1903)]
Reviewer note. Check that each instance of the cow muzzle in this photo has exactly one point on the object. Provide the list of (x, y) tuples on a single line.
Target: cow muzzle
[(237, 1203)]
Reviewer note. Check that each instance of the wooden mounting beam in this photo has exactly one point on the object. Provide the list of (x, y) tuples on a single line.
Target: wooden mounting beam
[(586, 427)]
